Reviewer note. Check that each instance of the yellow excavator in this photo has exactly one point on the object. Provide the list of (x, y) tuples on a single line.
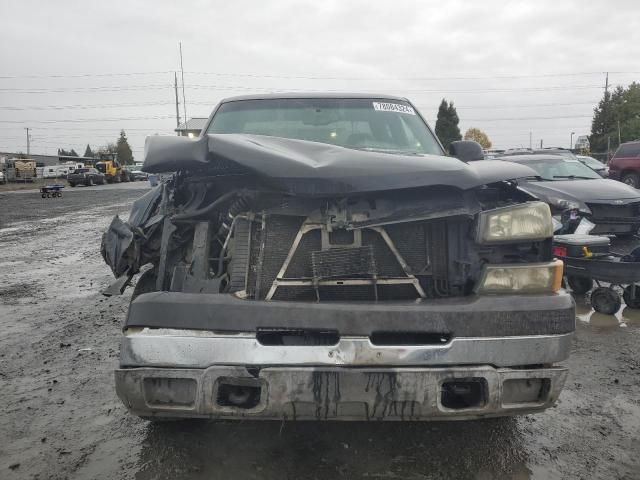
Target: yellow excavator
[(112, 169)]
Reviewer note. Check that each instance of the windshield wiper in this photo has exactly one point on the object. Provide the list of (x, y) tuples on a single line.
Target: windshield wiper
[(572, 177), (388, 150), (538, 178)]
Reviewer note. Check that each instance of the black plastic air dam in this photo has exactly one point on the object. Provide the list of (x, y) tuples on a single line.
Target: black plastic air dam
[(472, 316)]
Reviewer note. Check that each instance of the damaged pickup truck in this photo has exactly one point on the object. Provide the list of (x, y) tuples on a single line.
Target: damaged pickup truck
[(319, 257)]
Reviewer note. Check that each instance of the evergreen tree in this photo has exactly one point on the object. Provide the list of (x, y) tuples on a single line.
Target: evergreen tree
[(125, 156), (67, 153), (618, 109), (88, 153), (447, 128)]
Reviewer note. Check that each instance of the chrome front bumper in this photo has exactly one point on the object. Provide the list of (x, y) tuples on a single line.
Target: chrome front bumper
[(338, 393), (200, 349), (179, 373)]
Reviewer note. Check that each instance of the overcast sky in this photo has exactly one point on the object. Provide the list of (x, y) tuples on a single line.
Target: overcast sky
[(510, 67)]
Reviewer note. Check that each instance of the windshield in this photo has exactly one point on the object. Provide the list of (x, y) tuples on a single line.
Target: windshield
[(367, 124), (561, 169)]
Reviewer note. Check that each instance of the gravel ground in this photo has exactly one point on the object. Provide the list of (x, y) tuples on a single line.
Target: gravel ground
[(61, 417)]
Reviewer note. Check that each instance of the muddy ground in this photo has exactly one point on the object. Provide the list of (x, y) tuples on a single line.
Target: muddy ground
[(61, 417)]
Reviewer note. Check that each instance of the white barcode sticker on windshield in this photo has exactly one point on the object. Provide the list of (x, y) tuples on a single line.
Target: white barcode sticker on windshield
[(393, 107)]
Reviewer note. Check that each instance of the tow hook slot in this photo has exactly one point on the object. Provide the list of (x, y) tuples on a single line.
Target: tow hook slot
[(409, 338), (243, 393), (462, 393), (297, 337)]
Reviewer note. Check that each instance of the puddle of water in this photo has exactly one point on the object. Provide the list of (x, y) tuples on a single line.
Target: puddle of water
[(624, 317)]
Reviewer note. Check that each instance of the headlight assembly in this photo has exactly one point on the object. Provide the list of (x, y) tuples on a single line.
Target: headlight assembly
[(565, 204), (528, 221), (521, 278)]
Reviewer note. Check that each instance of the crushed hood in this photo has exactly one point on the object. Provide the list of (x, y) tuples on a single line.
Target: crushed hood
[(312, 168)]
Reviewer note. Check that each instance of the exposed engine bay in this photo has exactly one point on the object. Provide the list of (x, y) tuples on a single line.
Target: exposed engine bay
[(230, 223)]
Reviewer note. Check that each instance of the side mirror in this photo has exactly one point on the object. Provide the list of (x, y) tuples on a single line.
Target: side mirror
[(466, 150)]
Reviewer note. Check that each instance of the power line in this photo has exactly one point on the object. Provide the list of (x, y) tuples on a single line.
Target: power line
[(483, 77), (86, 107), (159, 117), (84, 75), (523, 118), (316, 77), (118, 88), (532, 105), (162, 117), (115, 88), (437, 90), (214, 102), (93, 129)]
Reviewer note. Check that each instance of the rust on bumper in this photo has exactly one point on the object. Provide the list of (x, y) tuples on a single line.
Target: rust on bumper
[(339, 393)]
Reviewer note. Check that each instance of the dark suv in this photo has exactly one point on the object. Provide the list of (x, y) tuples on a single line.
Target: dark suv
[(86, 176), (625, 164)]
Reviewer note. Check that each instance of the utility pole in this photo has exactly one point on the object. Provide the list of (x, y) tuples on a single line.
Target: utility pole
[(28, 142), (530, 140), (571, 140), (606, 106), (619, 140), (184, 101), (175, 87), (540, 143)]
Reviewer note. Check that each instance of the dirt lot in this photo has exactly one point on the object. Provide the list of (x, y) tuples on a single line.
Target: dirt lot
[(61, 417)]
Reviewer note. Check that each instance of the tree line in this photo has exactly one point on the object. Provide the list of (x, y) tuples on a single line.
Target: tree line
[(121, 148), (616, 118)]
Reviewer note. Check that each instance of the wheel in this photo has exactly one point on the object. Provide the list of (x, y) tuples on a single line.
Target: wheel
[(580, 285), (48, 195), (605, 300), (631, 179), (632, 301), (44, 195)]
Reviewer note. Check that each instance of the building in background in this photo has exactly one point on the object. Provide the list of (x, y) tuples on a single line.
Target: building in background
[(192, 127)]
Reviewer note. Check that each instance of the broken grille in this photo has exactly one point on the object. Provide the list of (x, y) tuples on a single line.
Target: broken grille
[(343, 262), (293, 260)]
